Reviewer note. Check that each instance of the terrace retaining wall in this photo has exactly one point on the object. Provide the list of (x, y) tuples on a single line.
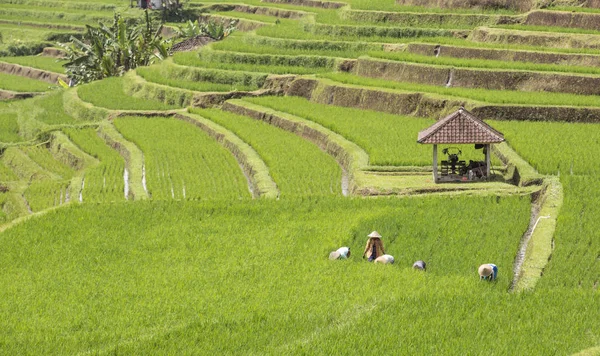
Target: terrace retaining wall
[(564, 19), (408, 19), (505, 55), (12, 95), (382, 31), (593, 4), (538, 113), (270, 11), (243, 25), (520, 5), (478, 78), (538, 39), (309, 3), (425, 105), (33, 73), (416, 104)]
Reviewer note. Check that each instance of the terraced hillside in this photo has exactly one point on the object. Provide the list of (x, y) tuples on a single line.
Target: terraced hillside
[(189, 206)]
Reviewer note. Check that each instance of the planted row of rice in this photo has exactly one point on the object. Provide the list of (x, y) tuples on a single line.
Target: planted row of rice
[(200, 80), (388, 139), (9, 127), (183, 162), (247, 258), (103, 182), (22, 84), (482, 63), (41, 155), (559, 148), (575, 259), (295, 30), (108, 93), (298, 167), (508, 46), (483, 95), (255, 63), (266, 45), (6, 174), (568, 150), (40, 62), (247, 16), (49, 109), (51, 191), (46, 194)]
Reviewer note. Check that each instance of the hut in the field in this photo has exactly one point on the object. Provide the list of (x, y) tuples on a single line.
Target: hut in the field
[(460, 128)]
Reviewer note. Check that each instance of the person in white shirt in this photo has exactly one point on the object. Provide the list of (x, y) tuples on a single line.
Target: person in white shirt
[(341, 253)]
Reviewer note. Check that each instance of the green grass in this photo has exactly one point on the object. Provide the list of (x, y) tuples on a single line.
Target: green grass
[(555, 147), (548, 29), (246, 62), (9, 127), (574, 262), (298, 167), (6, 174), (22, 84), (40, 62), (568, 150), (388, 139), (104, 182), (108, 93), (254, 44), (50, 109), (290, 29), (183, 162), (41, 155), (484, 95), (247, 16), (46, 194), (383, 5), (162, 75), (482, 63), (13, 34), (508, 46), (158, 277)]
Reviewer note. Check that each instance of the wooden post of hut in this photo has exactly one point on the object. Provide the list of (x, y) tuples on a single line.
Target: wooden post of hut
[(459, 128)]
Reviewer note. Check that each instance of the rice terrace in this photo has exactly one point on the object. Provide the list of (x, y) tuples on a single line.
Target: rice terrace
[(187, 177)]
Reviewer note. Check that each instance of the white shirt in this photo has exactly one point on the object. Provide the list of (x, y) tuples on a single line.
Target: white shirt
[(385, 259), (343, 251)]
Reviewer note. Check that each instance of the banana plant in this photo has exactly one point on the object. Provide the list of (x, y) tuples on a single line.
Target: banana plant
[(112, 50)]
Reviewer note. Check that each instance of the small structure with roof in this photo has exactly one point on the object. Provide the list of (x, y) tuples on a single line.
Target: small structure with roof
[(459, 128)]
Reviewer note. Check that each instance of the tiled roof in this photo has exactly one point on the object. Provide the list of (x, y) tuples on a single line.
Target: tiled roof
[(460, 127)]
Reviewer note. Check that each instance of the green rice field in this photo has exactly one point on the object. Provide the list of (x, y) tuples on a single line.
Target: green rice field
[(189, 207)]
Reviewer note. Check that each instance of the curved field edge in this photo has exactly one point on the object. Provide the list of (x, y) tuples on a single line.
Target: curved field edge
[(253, 166), (133, 156), (546, 203), (351, 157)]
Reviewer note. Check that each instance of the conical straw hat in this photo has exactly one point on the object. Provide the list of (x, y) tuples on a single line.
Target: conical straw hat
[(374, 234)]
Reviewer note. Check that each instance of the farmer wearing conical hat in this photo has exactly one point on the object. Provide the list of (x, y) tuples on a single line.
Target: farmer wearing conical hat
[(374, 247)]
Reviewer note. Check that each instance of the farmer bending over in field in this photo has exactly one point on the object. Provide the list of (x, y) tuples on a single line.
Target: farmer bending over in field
[(374, 247), (385, 259), (340, 254)]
